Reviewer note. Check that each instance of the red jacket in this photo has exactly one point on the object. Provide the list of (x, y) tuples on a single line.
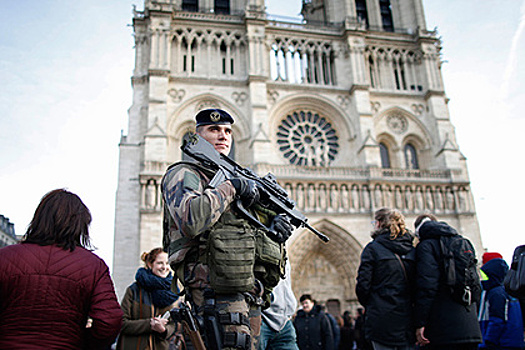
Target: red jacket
[(47, 294)]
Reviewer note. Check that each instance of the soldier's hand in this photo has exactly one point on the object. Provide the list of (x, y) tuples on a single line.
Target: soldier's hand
[(247, 191), (281, 228)]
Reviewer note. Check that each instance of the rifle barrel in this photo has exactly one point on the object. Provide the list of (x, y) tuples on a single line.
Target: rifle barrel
[(323, 237)]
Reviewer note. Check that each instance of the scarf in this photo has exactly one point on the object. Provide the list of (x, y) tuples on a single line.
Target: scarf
[(160, 288)]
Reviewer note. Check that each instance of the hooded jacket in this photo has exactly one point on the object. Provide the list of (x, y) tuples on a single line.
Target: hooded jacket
[(500, 314), (445, 320), (384, 288)]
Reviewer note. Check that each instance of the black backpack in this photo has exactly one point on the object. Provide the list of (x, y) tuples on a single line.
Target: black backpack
[(460, 269), (515, 279)]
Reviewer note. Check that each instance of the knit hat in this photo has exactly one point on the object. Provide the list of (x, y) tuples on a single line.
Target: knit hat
[(491, 255)]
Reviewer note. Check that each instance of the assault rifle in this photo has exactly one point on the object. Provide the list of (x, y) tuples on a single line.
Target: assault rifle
[(185, 315), (273, 196)]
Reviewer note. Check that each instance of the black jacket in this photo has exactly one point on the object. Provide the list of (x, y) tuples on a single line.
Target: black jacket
[(445, 320), (384, 288), (313, 330)]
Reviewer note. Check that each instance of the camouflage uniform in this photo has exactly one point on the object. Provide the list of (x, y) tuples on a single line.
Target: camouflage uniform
[(190, 210)]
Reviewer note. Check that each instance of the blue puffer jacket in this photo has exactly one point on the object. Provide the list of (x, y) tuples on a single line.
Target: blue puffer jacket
[(500, 314)]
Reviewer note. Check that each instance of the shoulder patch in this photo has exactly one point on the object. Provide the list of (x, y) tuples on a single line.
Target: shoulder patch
[(191, 181)]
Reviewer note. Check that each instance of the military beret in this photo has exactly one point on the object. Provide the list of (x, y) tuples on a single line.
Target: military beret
[(213, 116)]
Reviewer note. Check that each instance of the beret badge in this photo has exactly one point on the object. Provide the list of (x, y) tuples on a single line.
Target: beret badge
[(215, 117)]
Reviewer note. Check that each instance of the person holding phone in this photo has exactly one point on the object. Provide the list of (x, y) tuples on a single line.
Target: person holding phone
[(146, 305)]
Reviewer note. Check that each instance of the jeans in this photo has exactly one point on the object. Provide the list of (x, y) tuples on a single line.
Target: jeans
[(283, 340), (379, 346)]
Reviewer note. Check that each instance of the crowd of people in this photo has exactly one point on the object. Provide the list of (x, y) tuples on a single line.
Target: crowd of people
[(225, 247)]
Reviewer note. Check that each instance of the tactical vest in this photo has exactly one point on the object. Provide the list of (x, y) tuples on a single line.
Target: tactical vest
[(237, 253)]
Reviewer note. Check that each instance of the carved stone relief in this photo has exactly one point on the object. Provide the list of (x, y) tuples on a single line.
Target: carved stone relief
[(207, 104), (239, 97), (176, 95), (397, 123), (273, 96), (345, 197)]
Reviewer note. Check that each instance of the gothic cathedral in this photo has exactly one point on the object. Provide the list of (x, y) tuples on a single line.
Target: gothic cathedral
[(346, 108)]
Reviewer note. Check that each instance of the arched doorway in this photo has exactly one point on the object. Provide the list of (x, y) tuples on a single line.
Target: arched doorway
[(327, 271)]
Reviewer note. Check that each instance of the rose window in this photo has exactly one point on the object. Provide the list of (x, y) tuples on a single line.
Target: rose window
[(305, 138)]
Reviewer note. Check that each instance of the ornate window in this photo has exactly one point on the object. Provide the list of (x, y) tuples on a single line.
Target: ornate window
[(302, 62), (374, 83), (190, 5), (399, 71), (386, 15), (305, 138), (361, 12), (385, 156), (411, 161), (188, 56), (222, 7)]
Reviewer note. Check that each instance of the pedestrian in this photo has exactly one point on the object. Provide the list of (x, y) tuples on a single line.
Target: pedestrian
[(500, 314), (213, 249), (347, 332), (359, 331), (54, 292), (442, 322), (313, 327), (277, 329), (336, 331), (385, 282), (514, 282), (146, 305)]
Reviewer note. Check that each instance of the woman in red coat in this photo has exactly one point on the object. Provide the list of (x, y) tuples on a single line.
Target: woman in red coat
[(50, 284)]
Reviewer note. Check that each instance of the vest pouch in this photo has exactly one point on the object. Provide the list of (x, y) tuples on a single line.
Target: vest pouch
[(268, 258), (230, 257)]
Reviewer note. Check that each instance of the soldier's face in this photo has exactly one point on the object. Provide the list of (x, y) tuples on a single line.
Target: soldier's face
[(220, 136)]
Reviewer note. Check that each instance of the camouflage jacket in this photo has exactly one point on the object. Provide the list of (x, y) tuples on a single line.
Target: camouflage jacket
[(190, 208)]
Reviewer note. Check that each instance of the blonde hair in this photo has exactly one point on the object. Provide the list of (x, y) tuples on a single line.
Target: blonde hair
[(393, 220), (149, 257)]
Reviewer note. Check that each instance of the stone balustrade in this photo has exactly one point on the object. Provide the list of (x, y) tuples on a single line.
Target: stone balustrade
[(339, 190)]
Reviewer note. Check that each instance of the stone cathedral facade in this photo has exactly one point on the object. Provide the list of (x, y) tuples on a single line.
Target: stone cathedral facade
[(346, 108)]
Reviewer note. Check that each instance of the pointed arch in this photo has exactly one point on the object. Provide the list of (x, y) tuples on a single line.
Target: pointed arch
[(327, 270), (397, 128)]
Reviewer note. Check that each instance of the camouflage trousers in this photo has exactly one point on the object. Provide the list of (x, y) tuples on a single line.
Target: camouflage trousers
[(225, 304)]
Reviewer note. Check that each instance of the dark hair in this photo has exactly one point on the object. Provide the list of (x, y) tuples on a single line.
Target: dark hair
[(149, 258), (422, 217), (305, 297), (60, 219)]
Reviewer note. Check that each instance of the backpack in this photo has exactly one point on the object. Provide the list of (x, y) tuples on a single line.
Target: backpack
[(460, 269), (515, 279)]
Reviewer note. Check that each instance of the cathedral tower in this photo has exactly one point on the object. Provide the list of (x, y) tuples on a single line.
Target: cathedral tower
[(347, 108)]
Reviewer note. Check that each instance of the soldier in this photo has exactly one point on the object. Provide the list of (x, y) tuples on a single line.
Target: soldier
[(214, 251)]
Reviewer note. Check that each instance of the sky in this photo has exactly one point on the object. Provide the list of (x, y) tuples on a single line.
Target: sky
[(65, 69)]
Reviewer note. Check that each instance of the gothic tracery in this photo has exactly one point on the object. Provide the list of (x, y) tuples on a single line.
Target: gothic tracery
[(305, 138)]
